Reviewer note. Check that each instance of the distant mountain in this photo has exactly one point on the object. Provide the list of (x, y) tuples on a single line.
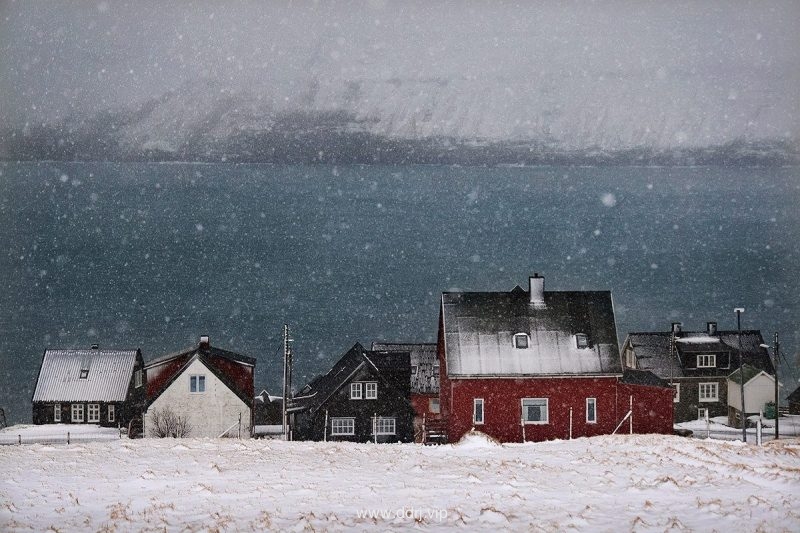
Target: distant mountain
[(205, 122)]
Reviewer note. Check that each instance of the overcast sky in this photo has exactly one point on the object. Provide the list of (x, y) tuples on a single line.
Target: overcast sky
[(734, 63)]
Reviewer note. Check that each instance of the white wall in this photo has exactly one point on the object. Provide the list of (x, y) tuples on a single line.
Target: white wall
[(757, 392), (210, 412)]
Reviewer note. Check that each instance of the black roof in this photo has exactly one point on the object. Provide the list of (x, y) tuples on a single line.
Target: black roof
[(653, 351), (643, 377), (315, 394), (423, 359)]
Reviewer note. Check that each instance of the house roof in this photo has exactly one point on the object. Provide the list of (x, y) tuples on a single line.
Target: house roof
[(224, 364), (107, 380), (653, 352), (479, 329), (643, 377), (749, 373), (356, 358), (423, 358), (794, 396)]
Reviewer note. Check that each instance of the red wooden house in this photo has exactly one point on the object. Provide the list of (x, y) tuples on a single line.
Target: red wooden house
[(535, 365)]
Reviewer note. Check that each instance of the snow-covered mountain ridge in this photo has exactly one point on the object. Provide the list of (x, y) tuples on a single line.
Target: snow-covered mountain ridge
[(402, 121)]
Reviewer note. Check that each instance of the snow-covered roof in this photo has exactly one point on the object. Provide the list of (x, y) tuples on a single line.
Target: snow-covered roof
[(107, 375), (479, 331)]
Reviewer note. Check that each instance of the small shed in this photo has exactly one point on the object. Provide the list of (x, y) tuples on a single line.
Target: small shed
[(759, 389)]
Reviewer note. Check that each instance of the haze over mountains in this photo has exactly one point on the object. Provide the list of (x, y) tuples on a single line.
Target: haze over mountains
[(374, 81)]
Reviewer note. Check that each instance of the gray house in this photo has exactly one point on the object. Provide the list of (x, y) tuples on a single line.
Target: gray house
[(697, 364), (89, 386)]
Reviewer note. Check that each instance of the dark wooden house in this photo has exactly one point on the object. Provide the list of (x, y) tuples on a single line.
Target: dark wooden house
[(365, 397), (89, 386), (696, 364), (533, 365), (794, 402), (428, 426)]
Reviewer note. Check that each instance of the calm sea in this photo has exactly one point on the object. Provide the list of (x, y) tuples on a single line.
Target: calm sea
[(154, 255)]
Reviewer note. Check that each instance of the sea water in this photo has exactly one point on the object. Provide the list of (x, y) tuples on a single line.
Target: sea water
[(151, 256)]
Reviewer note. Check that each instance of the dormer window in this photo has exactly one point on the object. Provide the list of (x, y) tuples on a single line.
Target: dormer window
[(707, 361), (521, 341), (581, 340)]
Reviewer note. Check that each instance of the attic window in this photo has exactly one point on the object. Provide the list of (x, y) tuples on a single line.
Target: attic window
[(84, 373), (581, 340), (521, 341), (85, 364), (707, 361)]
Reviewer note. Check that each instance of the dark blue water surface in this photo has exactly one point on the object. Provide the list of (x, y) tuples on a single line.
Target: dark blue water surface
[(154, 255)]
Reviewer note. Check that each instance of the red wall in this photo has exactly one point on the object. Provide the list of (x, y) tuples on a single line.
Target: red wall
[(502, 407)]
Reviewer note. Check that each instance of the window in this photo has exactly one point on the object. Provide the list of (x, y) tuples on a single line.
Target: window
[(676, 393), (581, 340), (706, 361), (436, 369), (413, 370), (433, 406), (477, 411), (77, 412), (591, 410), (93, 412), (370, 390), (84, 373), (534, 410), (343, 426), (197, 383), (137, 379), (702, 413), (355, 391), (384, 426), (521, 341), (708, 392), (112, 414), (57, 412)]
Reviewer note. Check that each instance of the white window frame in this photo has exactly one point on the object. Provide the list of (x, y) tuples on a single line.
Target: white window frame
[(709, 360), (371, 390), (521, 336), (704, 390), (478, 420), (112, 413), (525, 413), (198, 383), (137, 378), (676, 395), (434, 406), (57, 412), (593, 403), (578, 338), (413, 370), (702, 413), (343, 426), (356, 391), (76, 410), (384, 426), (93, 413)]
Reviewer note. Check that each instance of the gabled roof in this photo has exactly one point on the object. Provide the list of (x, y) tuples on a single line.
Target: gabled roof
[(643, 377), (652, 349), (423, 358), (107, 380), (355, 359), (224, 364), (479, 329), (749, 373)]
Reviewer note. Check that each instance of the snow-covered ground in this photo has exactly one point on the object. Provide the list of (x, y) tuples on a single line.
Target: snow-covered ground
[(56, 433), (718, 428), (605, 483)]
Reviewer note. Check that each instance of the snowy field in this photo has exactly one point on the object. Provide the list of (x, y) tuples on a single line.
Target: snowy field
[(612, 483)]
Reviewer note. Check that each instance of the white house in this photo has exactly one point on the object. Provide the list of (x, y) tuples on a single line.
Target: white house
[(759, 389), (208, 389)]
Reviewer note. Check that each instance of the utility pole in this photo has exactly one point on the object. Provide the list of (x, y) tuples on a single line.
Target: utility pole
[(739, 311), (776, 351), (287, 378)]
